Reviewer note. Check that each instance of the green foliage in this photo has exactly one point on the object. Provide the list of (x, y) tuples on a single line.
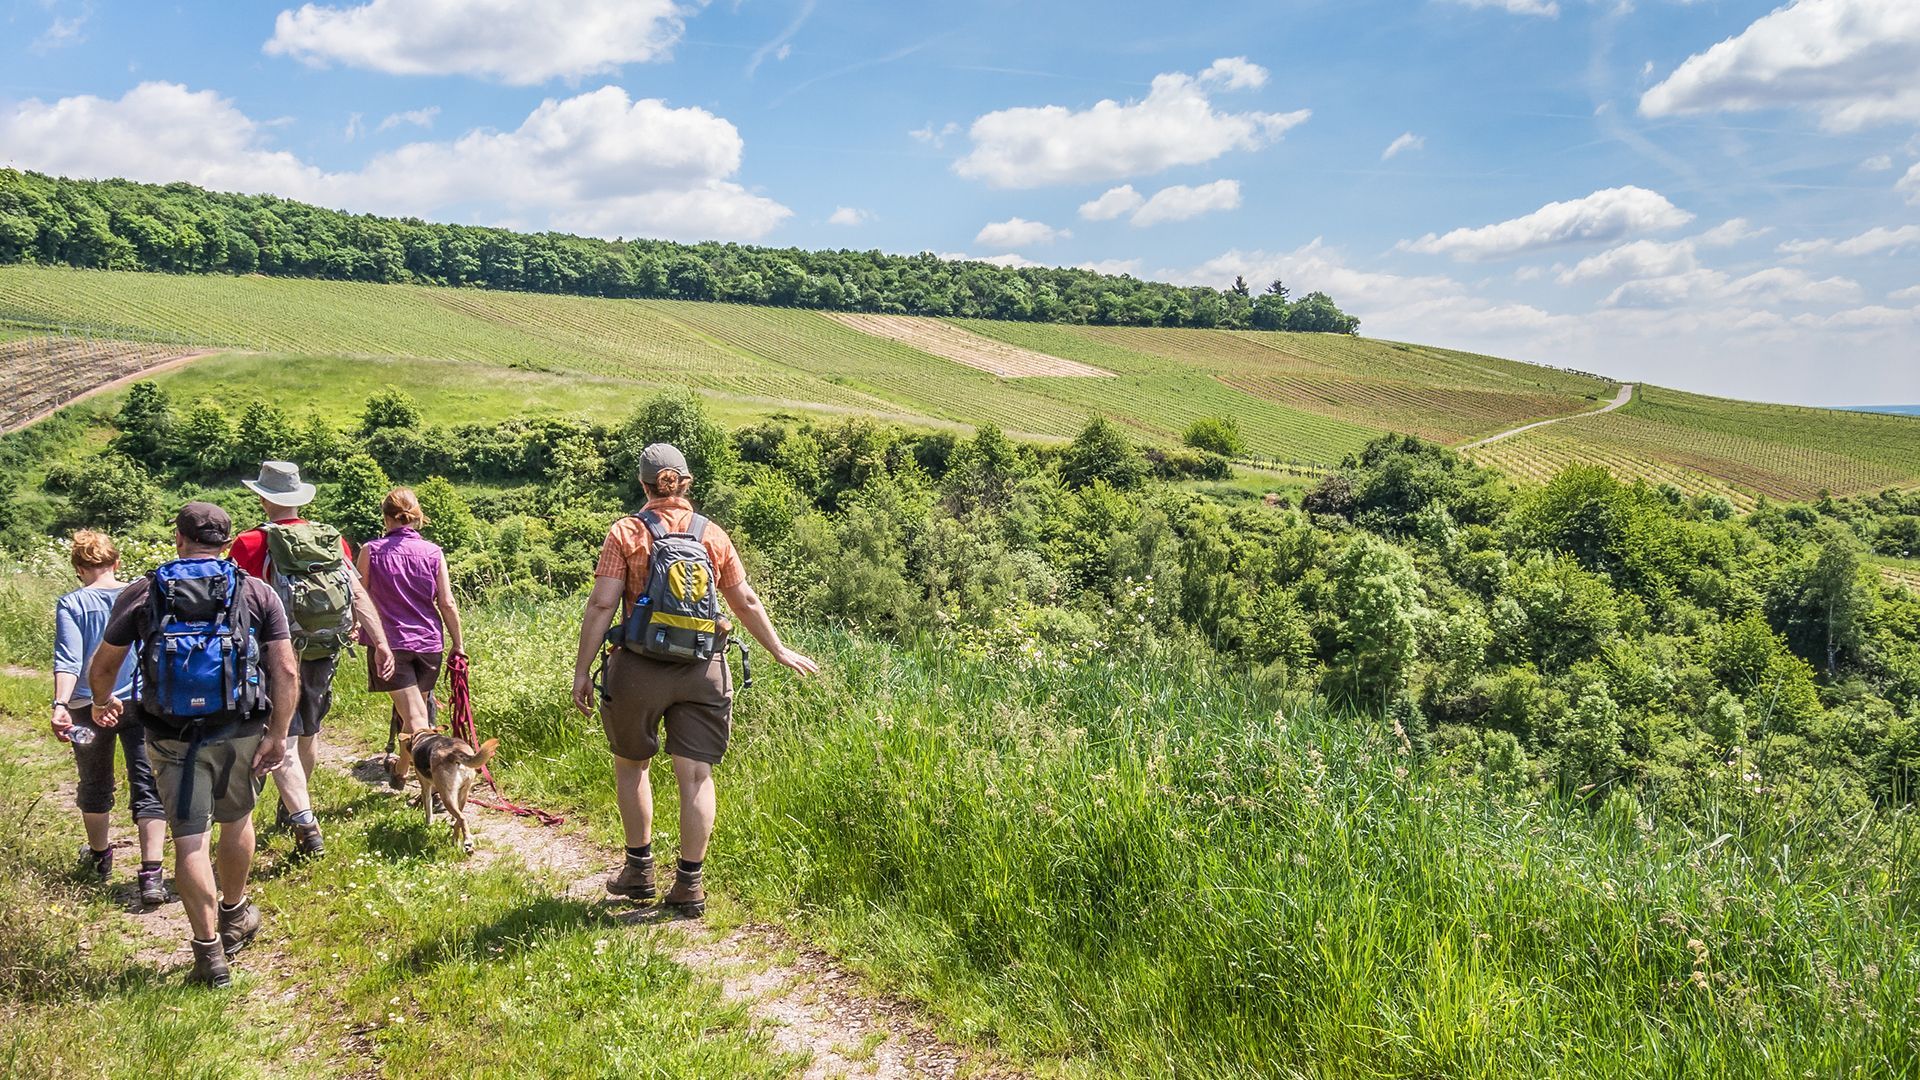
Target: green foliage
[(145, 423), (352, 503), (204, 443), (680, 419), (450, 523), (264, 434), (1102, 453), (114, 493), (1217, 435), (390, 408)]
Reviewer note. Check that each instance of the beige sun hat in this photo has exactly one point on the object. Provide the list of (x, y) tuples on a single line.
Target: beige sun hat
[(280, 484)]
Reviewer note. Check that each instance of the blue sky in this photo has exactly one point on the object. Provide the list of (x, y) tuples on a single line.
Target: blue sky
[(1713, 195)]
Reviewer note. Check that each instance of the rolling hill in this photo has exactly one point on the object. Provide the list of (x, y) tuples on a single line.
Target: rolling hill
[(1306, 400)]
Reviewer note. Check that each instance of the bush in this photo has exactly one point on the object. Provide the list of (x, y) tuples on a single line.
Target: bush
[(1101, 452), (146, 423), (389, 408), (1216, 435), (112, 492)]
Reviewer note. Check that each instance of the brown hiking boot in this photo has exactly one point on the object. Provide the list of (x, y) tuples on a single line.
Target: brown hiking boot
[(209, 966), (153, 888), (308, 843), (635, 882), (238, 925), (687, 897)]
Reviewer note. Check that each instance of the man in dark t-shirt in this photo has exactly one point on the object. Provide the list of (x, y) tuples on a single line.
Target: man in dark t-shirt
[(210, 776)]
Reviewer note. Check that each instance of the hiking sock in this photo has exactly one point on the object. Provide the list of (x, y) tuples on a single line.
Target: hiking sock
[(303, 817), (690, 867), (639, 855), (233, 907)]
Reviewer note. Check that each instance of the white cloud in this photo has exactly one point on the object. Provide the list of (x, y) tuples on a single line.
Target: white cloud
[(417, 117), (1175, 124), (1875, 241), (1732, 231), (849, 215), (1909, 295), (355, 127), (522, 42), (1909, 185), (1878, 163), (1234, 73), (1401, 145), (1009, 259), (1610, 214), (1180, 202), (1871, 316), (1850, 61), (1546, 8), (1774, 287), (1112, 203), (935, 137), (1018, 232), (1638, 259), (65, 30), (597, 163), (1129, 267)]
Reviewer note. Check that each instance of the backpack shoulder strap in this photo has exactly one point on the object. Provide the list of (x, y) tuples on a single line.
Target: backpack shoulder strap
[(697, 528), (655, 527)]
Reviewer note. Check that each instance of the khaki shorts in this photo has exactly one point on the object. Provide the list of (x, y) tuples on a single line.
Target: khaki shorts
[(696, 701), (223, 787)]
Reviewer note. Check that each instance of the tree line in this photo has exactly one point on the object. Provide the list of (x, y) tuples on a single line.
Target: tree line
[(181, 228)]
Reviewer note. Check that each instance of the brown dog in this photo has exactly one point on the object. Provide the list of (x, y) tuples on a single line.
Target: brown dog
[(447, 767)]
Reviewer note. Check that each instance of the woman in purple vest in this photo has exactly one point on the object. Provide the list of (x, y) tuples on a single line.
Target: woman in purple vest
[(406, 575)]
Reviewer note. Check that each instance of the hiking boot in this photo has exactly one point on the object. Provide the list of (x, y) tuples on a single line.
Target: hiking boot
[(281, 819), (308, 843), (97, 865), (634, 881), (238, 925), (152, 886), (209, 966), (688, 896)]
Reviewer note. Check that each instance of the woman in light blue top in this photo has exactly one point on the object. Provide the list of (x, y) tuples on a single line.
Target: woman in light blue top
[(80, 618)]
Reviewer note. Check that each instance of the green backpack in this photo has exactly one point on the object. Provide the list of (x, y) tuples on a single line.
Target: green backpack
[(316, 585)]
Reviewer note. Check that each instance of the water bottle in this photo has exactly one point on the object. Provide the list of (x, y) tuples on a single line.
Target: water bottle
[(82, 734)]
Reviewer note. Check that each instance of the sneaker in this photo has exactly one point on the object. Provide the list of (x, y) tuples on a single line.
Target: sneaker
[(153, 888), (238, 925), (209, 966), (634, 881), (97, 865), (688, 896), (308, 843)]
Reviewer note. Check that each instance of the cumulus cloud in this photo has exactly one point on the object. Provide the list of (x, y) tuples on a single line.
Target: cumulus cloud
[(935, 137), (1732, 231), (1638, 259), (1112, 203), (521, 42), (1546, 8), (1401, 145), (1773, 287), (598, 163), (1607, 215), (1010, 259), (1175, 124), (1018, 232), (1851, 62), (414, 117), (848, 215), (1909, 185), (1128, 267), (1234, 73), (1909, 295), (1877, 163), (1875, 241), (1180, 202)]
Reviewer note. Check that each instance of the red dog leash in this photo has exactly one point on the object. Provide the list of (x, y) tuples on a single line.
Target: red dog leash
[(462, 727)]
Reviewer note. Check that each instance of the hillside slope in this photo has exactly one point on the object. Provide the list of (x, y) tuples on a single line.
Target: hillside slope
[(1308, 399)]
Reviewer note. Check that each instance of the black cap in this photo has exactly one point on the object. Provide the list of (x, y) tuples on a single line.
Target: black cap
[(204, 523)]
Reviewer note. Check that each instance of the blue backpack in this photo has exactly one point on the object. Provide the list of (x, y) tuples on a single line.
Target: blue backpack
[(200, 662)]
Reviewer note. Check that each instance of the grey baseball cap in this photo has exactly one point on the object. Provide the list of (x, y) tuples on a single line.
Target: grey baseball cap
[(658, 458)]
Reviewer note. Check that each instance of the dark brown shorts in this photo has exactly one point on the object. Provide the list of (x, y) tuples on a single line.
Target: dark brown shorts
[(421, 669), (696, 700)]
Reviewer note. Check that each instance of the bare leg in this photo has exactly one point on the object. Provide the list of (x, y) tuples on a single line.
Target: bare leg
[(97, 837), (413, 708), (193, 878), (634, 789), (153, 839), (309, 751), (697, 806), (236, 860), (291, 779)]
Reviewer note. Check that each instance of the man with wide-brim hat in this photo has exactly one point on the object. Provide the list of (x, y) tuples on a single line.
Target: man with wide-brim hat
[(332, 608)]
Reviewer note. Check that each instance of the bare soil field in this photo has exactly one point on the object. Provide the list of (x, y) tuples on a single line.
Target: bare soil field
[(950, 342)]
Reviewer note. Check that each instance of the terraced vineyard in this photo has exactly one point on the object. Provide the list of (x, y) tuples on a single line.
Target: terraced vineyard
[(1307, 399), (1740, 449), (39, 373)]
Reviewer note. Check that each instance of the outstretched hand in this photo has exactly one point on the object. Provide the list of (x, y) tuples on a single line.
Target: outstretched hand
[(799, 662)]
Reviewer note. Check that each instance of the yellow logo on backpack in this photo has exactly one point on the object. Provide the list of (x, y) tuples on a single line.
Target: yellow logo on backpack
[(688, 580)]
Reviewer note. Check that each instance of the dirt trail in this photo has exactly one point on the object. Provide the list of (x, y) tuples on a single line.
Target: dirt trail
[(1625, 395), (808, 1004)]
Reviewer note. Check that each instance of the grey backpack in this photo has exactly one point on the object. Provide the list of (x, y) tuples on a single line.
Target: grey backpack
[(678, 617)]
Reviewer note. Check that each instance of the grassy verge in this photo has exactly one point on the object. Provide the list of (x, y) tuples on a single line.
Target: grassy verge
[(393, 954)]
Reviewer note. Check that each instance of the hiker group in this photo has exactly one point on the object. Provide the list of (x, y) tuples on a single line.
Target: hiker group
[(215, 672)]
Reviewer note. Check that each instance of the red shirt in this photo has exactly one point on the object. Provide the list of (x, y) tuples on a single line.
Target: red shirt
[(249, 549)]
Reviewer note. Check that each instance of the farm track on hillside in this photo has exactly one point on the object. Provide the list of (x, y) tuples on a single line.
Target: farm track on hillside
[(40, 376), (951, 342)]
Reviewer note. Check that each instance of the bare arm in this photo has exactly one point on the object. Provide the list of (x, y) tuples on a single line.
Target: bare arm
[(366, 618), (102, 673), (746, 606), (283, 685), (449, 610), (593, 632)]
